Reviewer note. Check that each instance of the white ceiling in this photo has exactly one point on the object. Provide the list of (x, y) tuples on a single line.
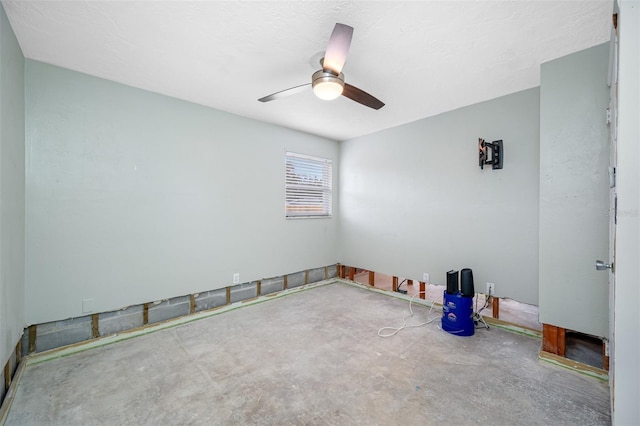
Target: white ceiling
[(420, 58)]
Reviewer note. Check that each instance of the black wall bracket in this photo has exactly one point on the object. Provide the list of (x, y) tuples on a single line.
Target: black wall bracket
[(494, 157)]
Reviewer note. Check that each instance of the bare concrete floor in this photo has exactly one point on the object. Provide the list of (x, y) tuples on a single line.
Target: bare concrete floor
[(312, 357)]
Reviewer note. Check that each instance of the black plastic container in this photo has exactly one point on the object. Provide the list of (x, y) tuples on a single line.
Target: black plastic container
[(466, 282), (452, 282)]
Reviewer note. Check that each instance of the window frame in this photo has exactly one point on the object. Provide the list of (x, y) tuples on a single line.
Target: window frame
[(294, 191)]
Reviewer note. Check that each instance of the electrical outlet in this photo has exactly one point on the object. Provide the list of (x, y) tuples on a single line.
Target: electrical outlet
[(425, 277), (491, 289), (236, 278)]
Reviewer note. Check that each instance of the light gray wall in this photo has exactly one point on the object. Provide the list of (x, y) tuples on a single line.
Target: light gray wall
[(625, 367), (413, 198), (133, 197), (574, 191), (12, 313)]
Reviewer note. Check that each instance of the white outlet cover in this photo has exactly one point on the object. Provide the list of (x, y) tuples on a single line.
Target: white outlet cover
[(425, 277), (236, 278)]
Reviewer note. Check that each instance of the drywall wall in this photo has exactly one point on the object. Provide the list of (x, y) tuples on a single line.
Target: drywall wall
[(12, 190), (133, 197), (413, 198), (625, 378), (574, 191)]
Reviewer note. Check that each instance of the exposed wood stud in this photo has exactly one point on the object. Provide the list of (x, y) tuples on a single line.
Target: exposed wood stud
[(394, 283), (228, 295), (19, 352), (549, 338), (32, 338), (258, 288), (284, 282), (192, 304), (409, 282), (615, 20), (423, 290), (352, 273), (95, 326), (339, 270), (605, 357), (372, 278), (7, 375), (306, 276), (145, 314), (495, 302), (554, 339)]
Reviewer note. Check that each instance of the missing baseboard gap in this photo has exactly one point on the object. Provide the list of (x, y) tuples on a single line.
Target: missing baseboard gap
[(572, 365), (10, 374), (39, 338)]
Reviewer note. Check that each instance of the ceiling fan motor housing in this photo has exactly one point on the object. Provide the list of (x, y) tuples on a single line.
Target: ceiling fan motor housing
[(327, 85)]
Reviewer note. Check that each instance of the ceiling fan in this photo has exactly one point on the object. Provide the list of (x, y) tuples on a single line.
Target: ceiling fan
[(328, 83)]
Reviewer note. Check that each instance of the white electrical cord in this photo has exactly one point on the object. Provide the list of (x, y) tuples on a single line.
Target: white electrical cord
[(404, 325), (477, 318)]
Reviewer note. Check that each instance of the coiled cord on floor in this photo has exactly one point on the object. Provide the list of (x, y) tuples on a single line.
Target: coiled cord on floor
[(404, 325)]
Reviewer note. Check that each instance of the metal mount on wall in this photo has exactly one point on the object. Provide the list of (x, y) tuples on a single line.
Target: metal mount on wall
[(496, 153)]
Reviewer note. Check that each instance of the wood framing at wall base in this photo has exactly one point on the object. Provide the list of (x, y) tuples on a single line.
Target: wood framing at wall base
[(65, 332), (32, 338), (10, 371), (372, 278), (95, 328), (192, 303), (19, 352), (495, 304), (7, 375), (577, 366), (554, 340)]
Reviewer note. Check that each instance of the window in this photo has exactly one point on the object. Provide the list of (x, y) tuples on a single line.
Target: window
[(307, 186)]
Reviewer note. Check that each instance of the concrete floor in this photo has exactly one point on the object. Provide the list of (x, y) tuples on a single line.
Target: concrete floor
[(313, 357)]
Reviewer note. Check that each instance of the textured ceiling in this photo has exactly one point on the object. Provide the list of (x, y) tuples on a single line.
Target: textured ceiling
[(420, 58)]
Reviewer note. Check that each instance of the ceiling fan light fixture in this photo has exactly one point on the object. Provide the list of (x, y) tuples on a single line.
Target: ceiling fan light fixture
[(326, 85)]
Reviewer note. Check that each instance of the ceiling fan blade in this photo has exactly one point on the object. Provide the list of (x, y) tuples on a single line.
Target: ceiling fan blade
[(336, 53), (286, 92), (362, 97)]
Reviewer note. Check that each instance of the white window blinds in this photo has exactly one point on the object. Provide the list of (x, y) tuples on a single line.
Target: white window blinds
[(307, 186)]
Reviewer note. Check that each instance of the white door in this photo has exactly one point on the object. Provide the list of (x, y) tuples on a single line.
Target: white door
[(612, 119)]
